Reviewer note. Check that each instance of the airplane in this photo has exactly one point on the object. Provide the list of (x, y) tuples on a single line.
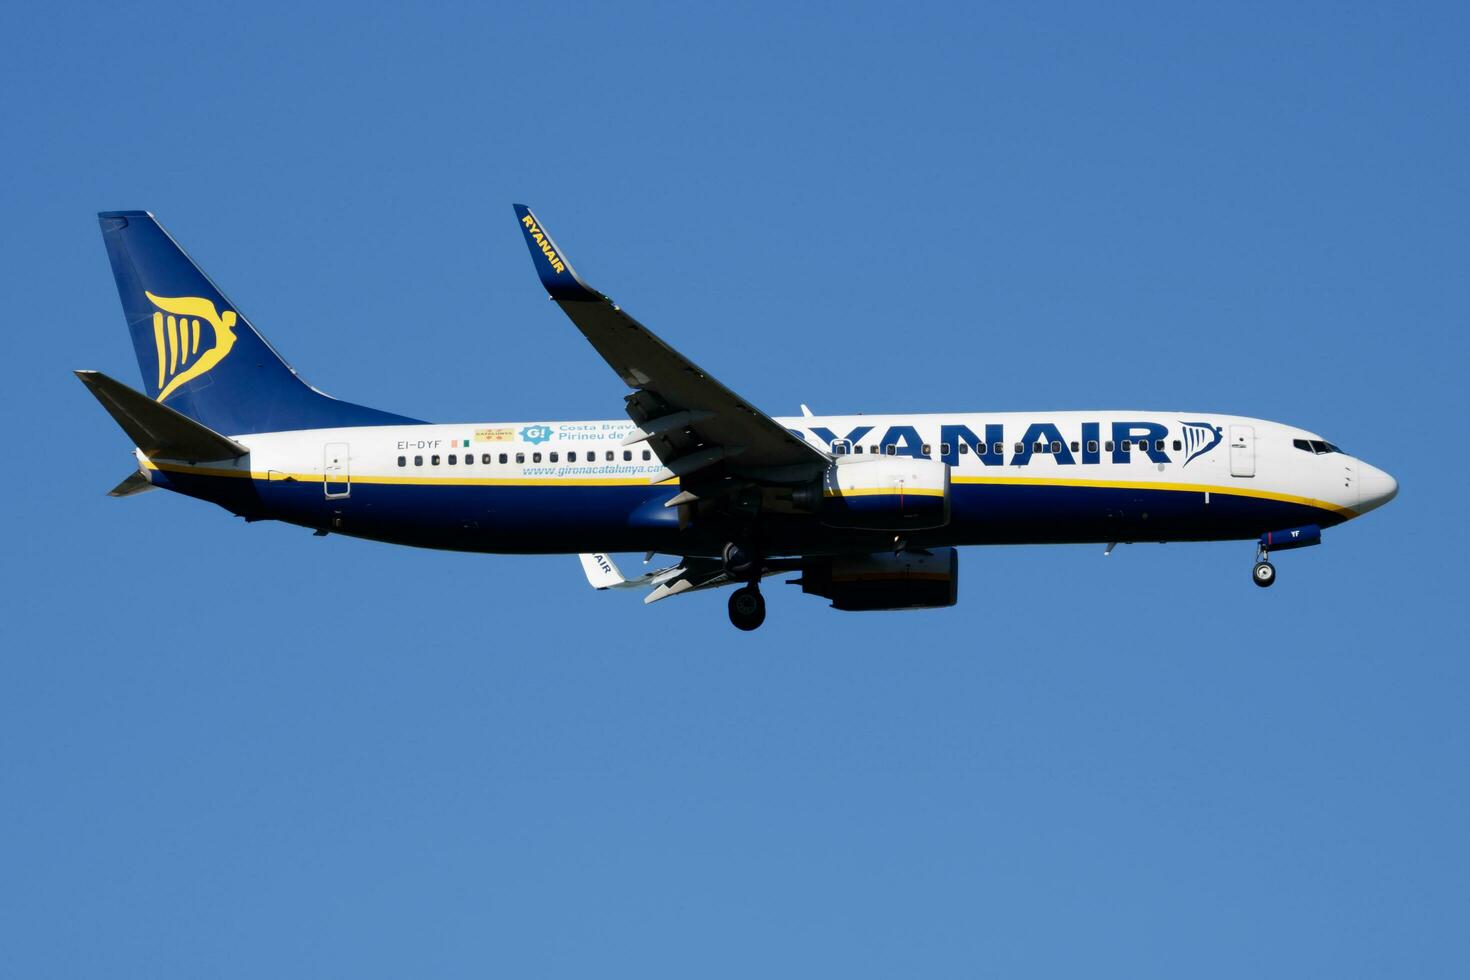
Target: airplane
[(866, 511)]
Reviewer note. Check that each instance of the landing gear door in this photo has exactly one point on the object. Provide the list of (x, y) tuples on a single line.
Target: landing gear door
[(1242, 450), (336, 478)]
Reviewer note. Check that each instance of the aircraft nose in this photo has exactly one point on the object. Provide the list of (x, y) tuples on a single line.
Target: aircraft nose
[(1375, 487)]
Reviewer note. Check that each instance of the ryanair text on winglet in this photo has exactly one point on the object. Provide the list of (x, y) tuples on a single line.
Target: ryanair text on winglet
[(540, 238)]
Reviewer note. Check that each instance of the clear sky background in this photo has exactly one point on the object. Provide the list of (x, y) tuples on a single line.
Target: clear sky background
[(241, 751)]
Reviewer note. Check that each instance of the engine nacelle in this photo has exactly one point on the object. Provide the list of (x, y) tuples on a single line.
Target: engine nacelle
[(908, 580), (885, 493)]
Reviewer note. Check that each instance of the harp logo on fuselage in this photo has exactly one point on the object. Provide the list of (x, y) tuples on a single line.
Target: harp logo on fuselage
[(185, 349)]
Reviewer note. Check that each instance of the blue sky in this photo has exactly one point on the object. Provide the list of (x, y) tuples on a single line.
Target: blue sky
[(231, 750)]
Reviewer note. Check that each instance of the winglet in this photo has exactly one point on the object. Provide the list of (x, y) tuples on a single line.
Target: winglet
[(602, 573), (557, 275)]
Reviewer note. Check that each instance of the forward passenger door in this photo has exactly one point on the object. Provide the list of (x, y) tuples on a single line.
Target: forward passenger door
[(1242, 450)]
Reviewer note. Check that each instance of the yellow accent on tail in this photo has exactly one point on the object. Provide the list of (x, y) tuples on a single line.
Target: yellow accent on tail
[(184, 314), (158, 339)]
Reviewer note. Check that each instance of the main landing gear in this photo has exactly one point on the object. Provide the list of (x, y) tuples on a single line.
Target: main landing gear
[(747, 605), (1264, 574), (747, 608)]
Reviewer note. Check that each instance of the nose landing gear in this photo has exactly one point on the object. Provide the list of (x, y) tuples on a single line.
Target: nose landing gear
[(1264, 574)]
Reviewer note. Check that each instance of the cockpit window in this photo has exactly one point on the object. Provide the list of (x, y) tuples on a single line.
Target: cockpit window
[(1315, 446)]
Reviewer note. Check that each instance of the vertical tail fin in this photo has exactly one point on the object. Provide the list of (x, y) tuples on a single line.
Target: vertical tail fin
[(198, 354)]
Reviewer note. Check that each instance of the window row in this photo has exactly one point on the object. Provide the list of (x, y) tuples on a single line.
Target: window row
[(998, 448), (468, 459)]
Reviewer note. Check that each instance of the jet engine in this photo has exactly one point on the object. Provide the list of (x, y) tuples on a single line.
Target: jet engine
[(885, 493), (908, 580)]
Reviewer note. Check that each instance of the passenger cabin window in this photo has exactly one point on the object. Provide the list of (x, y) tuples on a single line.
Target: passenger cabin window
[(891, 449), (627, 455), (520, 458), (504, 459), (647, 455), (1074, 446), (418, 461), (402, 460), (453, 459), (1056, 447), (434, 460), (1109, 445), (556, 457), (925, 450), (609, 455), (1092, 445), (535, 457), (485, 458), (1178, 445), (1158, 445), (1020, 448), (998, 449), (1127, 445), (964, 448)]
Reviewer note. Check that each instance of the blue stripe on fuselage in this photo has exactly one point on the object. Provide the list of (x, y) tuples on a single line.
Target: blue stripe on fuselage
[(569, 519)]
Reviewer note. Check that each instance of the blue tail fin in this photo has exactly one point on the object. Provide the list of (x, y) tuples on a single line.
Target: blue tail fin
[(198, 354)]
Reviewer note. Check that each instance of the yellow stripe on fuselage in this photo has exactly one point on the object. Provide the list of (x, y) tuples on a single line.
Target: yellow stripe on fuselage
[(885, 492), (454, 481), (417, 481)]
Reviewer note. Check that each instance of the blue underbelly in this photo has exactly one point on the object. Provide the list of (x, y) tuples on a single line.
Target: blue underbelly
[(566, 519)]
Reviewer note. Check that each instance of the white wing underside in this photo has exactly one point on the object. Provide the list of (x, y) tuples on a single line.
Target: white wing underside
[(690, 575)]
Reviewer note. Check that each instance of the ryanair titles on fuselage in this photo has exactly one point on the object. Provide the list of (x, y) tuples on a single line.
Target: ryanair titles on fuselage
[(993, 448), (1119, 441)]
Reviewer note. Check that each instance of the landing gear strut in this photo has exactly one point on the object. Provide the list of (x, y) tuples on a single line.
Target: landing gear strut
[(747, 608), (1264, 574), (738, 561)]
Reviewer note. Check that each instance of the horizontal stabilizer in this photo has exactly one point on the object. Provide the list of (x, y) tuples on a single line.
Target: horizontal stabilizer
[(135, 483), (157, 429)]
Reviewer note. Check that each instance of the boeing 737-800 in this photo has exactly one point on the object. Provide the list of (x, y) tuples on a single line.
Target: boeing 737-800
[(865, 510)]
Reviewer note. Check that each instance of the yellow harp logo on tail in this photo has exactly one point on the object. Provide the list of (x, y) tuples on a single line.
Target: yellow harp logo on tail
[(182, 354)]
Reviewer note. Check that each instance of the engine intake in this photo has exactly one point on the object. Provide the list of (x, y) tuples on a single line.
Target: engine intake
[(908, 580), (885, 493)]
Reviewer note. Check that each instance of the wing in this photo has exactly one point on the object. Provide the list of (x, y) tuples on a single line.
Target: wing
[(691, 421), (690, 575)]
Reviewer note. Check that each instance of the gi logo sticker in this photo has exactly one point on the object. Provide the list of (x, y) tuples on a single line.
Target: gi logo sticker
[(536, 434)]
